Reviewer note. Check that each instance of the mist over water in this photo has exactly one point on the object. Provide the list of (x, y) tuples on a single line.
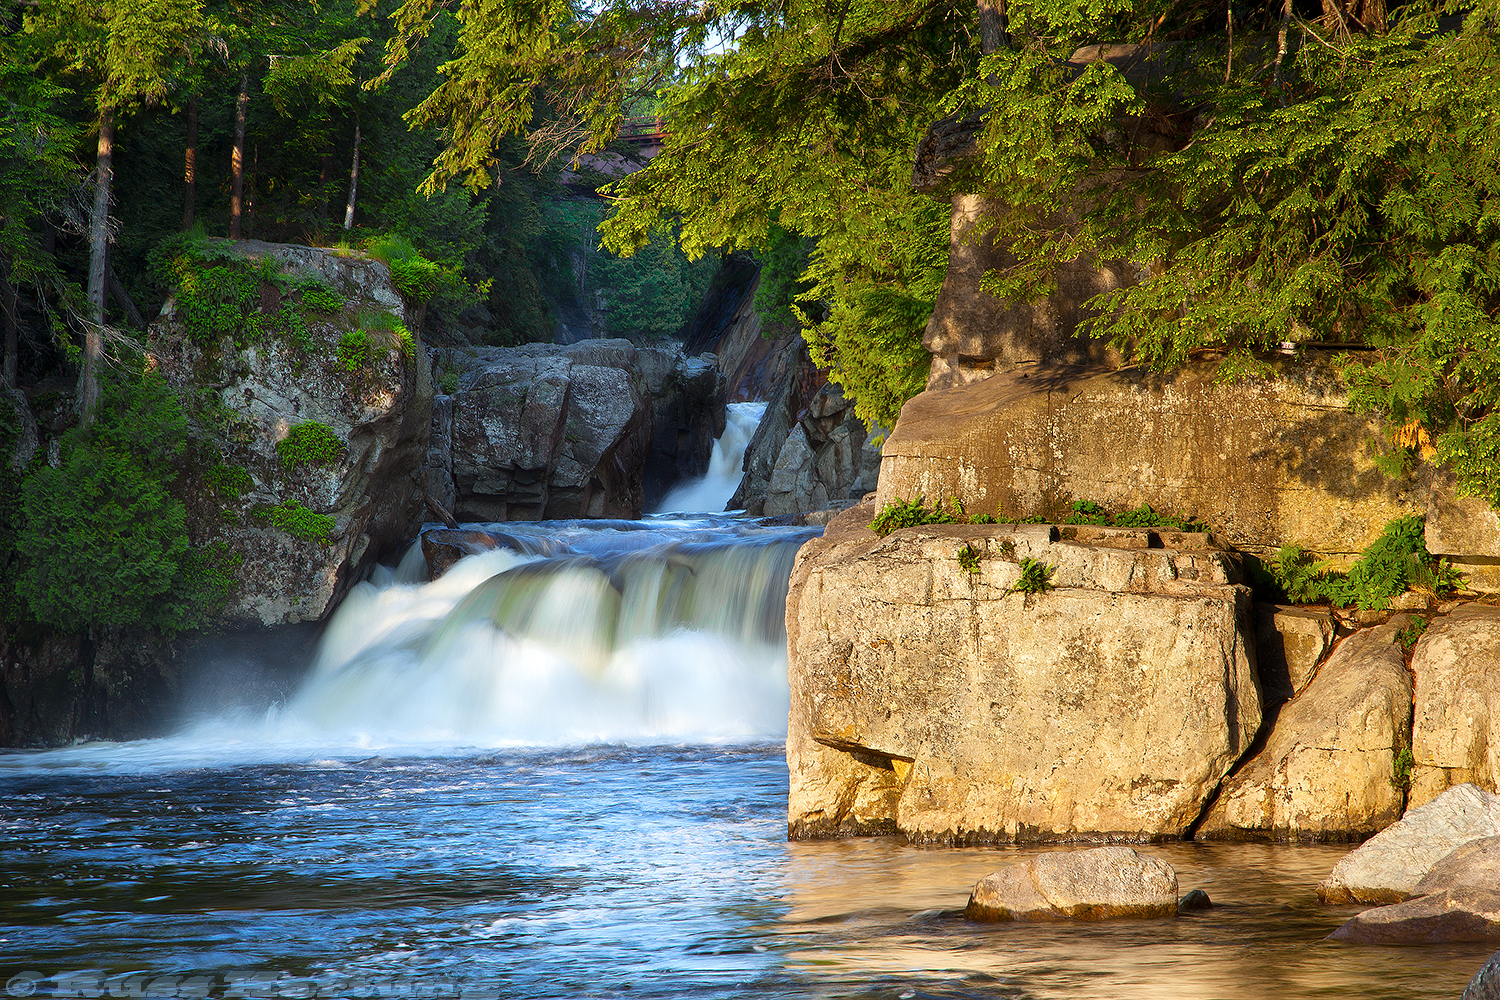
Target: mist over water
[(679, 641)]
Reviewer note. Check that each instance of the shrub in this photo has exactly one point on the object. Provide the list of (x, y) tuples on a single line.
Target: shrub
[(299, 522), (414, 276), (1035, 578), (229, 480), (908, 513), (1413, 631), (1089, 512), (448, 384), (968, 558), (407, 342), (319, 298), (104, 540), (1395, 562), (309, 443), (217, 291)]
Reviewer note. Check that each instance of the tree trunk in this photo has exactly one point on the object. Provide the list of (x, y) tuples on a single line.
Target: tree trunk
[(122, 299), (325, 180), (10, 372), (190, 165), (237, 158), (93, 337), (353, 182), (250, 195), (993, 34)]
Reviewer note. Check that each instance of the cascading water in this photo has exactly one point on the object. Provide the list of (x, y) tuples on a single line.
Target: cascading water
[(627, 632), (571, 632), (725, 466)]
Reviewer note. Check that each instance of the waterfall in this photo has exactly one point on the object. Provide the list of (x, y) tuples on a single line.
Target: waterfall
[(628, 632), (725, 466)]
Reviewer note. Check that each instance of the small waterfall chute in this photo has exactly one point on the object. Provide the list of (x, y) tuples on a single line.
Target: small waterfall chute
[(713, 492)]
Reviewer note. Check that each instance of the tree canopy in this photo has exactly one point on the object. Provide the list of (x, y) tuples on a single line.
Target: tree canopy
[(1289, 172)]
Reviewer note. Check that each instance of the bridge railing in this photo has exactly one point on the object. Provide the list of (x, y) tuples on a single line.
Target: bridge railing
[(642, 129)]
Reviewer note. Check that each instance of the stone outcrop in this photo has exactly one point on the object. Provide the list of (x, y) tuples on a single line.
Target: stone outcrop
[(598, 428), (378, 409), (1458, 900), (972, 334), (1104, 883), (1267, 463), (1388, 867), (687, 414), (1290, 642), (821, 460), (1327, 772), (1466, 531), (935, 702), (541, 431), (786, 406), (1456, 724)]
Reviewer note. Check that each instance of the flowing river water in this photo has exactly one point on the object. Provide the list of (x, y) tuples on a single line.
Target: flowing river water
[(556, 772)]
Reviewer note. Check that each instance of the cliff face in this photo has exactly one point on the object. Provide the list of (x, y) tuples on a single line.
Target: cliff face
[(309, 400), (1266, 462), (317, 429), (941, 703), (589, 429)]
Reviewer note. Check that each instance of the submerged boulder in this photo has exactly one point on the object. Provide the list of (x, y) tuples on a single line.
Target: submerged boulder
[(944, 704), (1104, 883), (1327, 772), (1387, 867)]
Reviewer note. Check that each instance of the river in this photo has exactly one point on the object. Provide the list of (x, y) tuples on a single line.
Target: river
[(556, 772)]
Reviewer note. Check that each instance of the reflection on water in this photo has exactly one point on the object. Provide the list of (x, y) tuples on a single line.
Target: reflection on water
[(599, 872)]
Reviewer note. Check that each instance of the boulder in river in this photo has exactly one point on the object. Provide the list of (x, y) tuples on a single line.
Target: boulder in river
[(942, 703), (1486, 982), (312, 423), (1456, 724), (1327, 770), (544, 432), (1104, 883), (1388, 867), (1458, 900)]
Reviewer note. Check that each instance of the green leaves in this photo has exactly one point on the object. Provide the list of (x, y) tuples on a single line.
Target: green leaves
[(104, 540)]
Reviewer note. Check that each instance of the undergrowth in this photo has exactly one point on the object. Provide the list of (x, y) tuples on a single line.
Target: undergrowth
[(299, 522), (1394, 563), (309, 443)]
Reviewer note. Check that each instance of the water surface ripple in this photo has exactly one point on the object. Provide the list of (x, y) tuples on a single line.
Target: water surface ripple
[(599, 872)]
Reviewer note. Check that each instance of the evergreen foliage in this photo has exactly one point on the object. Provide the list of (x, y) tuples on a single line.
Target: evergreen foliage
[(1268, 178), (104, 541)]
